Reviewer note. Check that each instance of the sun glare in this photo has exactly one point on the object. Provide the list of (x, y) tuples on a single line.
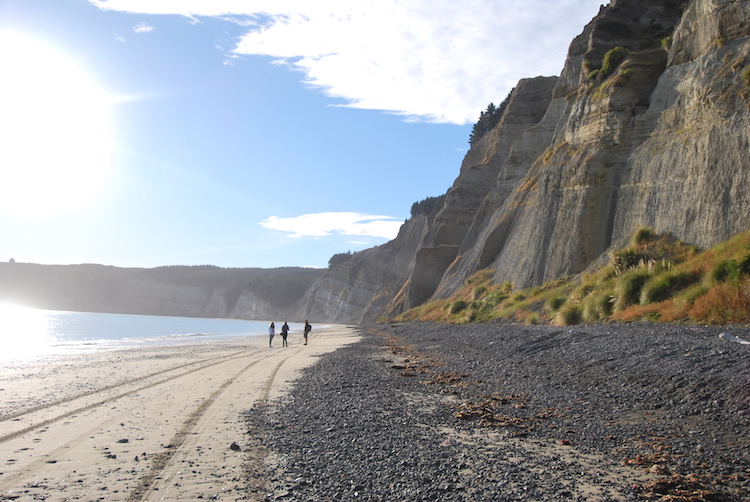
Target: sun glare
[(55, 140), (24, 332)]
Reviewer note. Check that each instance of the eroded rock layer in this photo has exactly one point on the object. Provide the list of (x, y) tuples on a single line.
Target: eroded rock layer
[(647, 125)]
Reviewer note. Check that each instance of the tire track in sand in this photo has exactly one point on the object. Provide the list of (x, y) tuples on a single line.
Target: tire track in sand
[(164, 469), (47, 422)]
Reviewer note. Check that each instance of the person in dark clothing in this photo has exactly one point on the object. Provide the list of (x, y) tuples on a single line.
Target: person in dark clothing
[(284, 333), (308, 328)]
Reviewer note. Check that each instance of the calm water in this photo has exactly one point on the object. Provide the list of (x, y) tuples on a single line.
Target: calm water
[(27, 333)]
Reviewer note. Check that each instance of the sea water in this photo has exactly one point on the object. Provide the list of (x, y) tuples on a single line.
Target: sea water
[(30, 333)]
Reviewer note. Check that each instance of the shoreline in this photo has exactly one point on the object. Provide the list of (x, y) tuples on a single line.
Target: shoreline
[(29, 333)]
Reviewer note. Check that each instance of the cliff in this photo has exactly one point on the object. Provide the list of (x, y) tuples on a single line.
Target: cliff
[(657, 137), (646, 126), (174, 291)]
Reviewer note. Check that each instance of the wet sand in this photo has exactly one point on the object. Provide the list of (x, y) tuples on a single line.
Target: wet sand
[(145, 424)]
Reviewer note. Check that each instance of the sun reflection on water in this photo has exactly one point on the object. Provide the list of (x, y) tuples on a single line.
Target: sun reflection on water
[(24, 332)]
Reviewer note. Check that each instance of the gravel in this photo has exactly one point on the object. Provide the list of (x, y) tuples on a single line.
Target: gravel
[(509, 412)]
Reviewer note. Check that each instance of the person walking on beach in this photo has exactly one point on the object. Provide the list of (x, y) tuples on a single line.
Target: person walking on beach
[(308, 328), (271, 332), (284, 333)]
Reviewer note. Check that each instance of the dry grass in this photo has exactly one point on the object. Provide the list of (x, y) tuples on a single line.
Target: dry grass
[(657, 279)]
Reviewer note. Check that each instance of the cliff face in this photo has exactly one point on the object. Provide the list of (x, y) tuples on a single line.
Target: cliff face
[(362, 287), (172, 291), (657, 137), (580, 162)]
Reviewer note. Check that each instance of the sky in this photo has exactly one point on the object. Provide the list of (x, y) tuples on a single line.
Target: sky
[(247, 133)]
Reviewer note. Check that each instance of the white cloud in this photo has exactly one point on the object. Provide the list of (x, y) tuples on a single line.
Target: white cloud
[(437, 60), (143, 28), (345, 223)]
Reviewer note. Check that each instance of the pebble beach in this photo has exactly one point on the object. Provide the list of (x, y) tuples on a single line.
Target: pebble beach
[(509, 412)]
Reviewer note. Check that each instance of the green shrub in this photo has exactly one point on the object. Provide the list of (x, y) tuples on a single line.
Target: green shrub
[(612, 60), (643, 235), (666, 285), (469, 316), (744, 265), (596, 307), (581, 292), (746, 76), (457, 306), (625, 259), (725, 271), (553, 304), (507, 287), (653, 317), (656, 290), (628, 288), (568, 315), (479, 292), (496, 297), (693, 293)]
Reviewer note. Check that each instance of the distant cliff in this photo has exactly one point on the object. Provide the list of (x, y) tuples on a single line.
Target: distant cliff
[(647, 125), (242, 293)]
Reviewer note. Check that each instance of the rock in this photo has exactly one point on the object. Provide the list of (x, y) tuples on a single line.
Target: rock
[(360, 428), (575, 166)]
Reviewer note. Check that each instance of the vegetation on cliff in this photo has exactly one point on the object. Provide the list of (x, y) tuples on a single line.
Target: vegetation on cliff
[(339, 258), (656, 278), (427, 206), (488, 119)]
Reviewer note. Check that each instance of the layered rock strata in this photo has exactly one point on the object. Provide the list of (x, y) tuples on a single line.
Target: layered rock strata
[(577, 163)]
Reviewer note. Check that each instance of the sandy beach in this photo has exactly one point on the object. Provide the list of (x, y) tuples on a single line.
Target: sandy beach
[(145, 424)]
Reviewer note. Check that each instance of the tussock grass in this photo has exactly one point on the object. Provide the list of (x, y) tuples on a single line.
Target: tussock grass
[(656, 278), (569, 314), (628, 288)]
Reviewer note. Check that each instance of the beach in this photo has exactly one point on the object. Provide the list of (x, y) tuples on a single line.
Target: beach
[(148, 423), (409, 412), (507, 412)]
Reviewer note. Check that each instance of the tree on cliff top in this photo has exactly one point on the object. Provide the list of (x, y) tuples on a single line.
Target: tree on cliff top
[(339, 258), (428, 206), (488, 119)]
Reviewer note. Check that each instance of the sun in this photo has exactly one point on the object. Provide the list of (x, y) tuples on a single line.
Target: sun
[(55, 138)]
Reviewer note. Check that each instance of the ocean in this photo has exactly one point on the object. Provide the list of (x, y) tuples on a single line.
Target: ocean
[(30, 333)]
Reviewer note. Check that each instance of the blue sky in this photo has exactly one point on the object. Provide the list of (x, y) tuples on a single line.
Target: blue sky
[(246, 133)]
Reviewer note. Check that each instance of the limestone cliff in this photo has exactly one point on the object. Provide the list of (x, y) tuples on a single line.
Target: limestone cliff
[(657, 137)]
